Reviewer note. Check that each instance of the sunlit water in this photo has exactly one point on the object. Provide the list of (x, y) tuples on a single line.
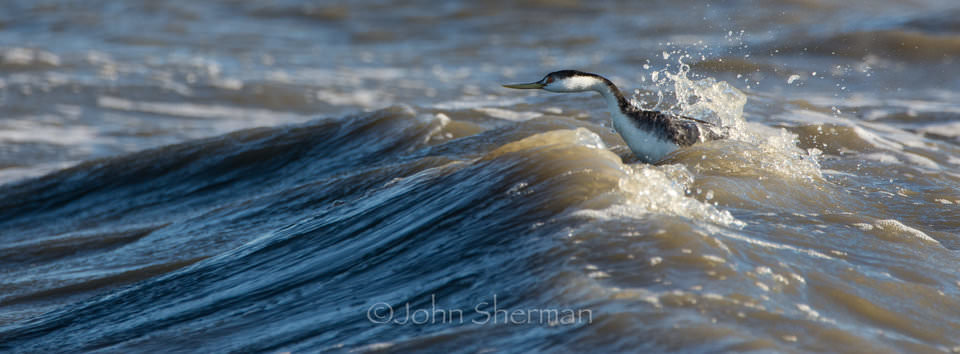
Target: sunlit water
[(287, 176)]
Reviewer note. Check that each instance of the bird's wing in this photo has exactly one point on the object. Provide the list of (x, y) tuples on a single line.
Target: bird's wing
[(697, 120), (705, 131)]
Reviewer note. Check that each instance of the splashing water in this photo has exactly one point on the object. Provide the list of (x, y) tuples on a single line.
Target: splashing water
[(766, 149), (708, 98), (705, 99)]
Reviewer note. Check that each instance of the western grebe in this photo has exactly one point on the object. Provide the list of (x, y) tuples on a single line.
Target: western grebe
[(651, 135)]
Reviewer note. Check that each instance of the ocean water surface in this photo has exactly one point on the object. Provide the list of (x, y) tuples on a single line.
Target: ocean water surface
[(293, 176)]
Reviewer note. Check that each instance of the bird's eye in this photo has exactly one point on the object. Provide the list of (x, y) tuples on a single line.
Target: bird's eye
[(548, 80)]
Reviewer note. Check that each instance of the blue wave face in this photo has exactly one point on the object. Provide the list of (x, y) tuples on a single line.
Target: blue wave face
[(325, 220)]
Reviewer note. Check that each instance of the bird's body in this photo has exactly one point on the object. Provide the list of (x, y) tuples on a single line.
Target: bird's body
[(651, 135)]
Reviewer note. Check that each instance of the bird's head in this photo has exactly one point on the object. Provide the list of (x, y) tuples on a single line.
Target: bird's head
[(564, 81)]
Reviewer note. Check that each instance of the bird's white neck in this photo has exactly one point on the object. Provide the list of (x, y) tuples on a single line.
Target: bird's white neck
[(611, 94), (646, 145), (602, 86)]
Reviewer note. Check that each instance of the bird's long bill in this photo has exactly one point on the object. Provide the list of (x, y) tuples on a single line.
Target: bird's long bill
[(532, 85)]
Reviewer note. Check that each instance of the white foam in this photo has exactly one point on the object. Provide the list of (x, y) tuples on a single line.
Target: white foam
[(714, 259), (34, 130), (900, 228), (646, 189), (882, 157), (463, 103), (507, 114), (13, 174), (26, 56), (193, 110), (951, 129), (356, 97), (777, 246), (922, 161)]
